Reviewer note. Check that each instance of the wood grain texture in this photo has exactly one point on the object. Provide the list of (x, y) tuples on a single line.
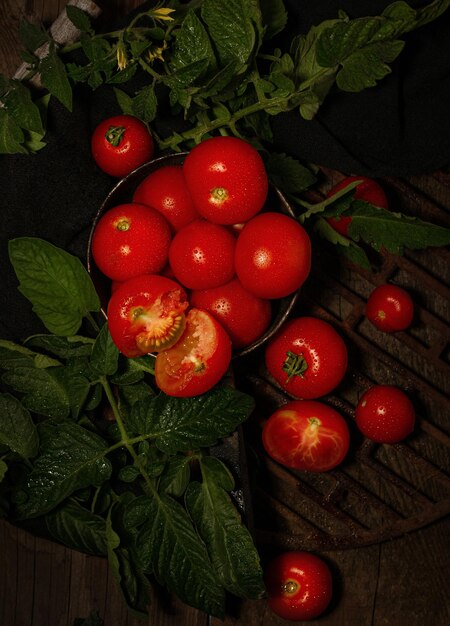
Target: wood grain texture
[(397, 583)]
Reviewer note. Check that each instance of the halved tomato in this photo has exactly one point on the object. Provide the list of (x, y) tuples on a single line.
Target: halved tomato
[(146, 314), (198, 360)]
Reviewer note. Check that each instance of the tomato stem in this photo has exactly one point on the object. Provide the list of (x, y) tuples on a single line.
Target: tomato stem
[(290, 587), (93, 322), (294, 365), (114, 135), (126, 441)]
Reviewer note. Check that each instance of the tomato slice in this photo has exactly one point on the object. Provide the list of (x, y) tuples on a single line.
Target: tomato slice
[(198, 360), (146, 314)]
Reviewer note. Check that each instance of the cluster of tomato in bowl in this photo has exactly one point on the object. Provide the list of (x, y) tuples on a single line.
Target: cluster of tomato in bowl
[(196, 260)]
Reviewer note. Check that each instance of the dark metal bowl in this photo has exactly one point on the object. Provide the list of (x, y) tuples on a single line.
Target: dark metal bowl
[(122, 193)]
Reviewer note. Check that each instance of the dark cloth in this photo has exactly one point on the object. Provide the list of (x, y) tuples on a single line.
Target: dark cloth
[(400, 127)]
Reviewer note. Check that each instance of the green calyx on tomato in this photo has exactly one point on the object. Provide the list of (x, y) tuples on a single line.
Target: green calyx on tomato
[(290, 587), (294, 365), (114, 135), (123, 224), (219, 195)]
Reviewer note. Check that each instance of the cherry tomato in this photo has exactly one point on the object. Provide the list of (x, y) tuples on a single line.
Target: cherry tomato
[(120, 144), (244, 316), (307, 357), (227, 179), (146, 314), (273, 255), (306, 435), (368, 190), (201, 255), (385, 414), (299, 585), (166, 191), (198, 360), (390, 308), (129, 240)]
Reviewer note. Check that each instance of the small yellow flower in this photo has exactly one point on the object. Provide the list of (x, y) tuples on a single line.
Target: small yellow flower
[(163, 14), (157, 53), (122, 60)]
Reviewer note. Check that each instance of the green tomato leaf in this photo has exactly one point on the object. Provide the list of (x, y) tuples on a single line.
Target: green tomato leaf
[(62, 347), (182, 424), (228, 541), (363, 47), (288, 174), (137, 392), (168, 545), (77, 528), (71, 458), (54, 78), (55, 282), (22, 109), (11, 135), (105, 355), (127, 373), (366, 67), (274, 17), (192, 44), (79, 19), (144, 104), (186, 76), (124, 101), (123, 76), (175, 477), (382, 228), (345, 247), (304, 52), (49, 388), (410, 18), (31, 35), (17, 430), (126, 571), (231, 25)]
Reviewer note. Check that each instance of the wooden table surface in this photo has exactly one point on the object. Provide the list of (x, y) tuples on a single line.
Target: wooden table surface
[(396, 583)]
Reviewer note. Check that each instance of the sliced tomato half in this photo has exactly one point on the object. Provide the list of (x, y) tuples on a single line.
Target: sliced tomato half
[(198, 360)]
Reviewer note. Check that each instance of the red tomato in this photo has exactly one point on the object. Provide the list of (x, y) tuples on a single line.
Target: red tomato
[(129, 240), (385, 414), (120, 144), (368, 190), (166, 191), (201, 255), (273, 255), (307, 357), (146, 314), (306, 435), (198, 360), (227, 179), (390, 308), (244, 316), (299, 585)]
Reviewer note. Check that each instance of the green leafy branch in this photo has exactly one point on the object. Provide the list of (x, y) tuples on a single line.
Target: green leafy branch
[(209, 60), (370, 226), (105, 464)]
